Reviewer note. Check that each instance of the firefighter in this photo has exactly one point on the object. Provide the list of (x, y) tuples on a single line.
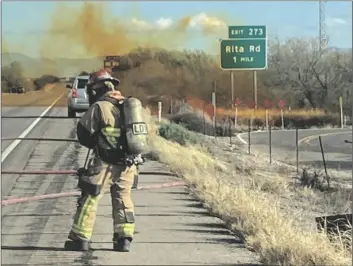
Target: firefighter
[(101, 130)]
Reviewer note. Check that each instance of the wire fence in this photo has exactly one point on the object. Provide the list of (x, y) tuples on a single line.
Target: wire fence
[(326, 150)]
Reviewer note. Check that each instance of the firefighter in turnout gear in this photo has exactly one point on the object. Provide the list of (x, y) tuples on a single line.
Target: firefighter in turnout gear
[(101, 129)]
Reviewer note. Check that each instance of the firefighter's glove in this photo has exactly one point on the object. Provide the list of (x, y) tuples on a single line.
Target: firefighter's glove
[(135, 159), (139, 159)]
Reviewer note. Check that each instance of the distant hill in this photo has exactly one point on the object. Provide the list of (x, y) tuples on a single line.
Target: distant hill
[(35, 67)]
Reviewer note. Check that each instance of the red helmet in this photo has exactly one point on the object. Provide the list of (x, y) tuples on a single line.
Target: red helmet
[(102, 75)]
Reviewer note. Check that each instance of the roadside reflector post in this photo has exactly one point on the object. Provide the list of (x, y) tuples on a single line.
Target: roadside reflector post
[(281, 104), (236, 116), (214, 110), (204, 120), (159, 112), (282, 119)]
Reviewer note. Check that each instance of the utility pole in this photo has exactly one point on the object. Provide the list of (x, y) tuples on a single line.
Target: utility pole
[(322, 27), (352, 107)]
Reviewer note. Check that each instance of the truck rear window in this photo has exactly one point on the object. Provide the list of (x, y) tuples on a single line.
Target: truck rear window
[(81, 83)]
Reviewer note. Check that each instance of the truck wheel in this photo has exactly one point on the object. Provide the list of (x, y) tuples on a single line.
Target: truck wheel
[(71, 113)]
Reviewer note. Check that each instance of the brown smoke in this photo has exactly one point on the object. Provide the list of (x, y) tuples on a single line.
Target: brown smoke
[(91, 30)]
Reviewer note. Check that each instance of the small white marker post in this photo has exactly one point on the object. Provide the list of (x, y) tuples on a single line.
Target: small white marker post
[(236, 116), (341, 109), (159, 112), (214, 109), (266, 114), (282, 119)]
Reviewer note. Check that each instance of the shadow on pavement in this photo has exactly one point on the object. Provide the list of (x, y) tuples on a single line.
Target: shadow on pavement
[(32, 248), (164, 215), (176, 193), (38, 215), (199, 213), (206, 231), (220, 225)]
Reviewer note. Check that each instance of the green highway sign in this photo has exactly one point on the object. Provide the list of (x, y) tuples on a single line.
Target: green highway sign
[(247, 32), (246, 49), (243, 54)]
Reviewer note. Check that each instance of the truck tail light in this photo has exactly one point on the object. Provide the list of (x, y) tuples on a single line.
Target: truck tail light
[(74, 93)]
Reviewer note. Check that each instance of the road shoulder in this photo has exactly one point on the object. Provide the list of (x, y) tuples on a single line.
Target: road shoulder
[(172, 229)]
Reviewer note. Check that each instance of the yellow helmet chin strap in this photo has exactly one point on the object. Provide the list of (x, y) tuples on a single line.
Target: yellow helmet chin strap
[(110, 85)]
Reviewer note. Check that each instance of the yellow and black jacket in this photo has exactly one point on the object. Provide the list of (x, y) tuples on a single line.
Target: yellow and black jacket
[(102, 128)]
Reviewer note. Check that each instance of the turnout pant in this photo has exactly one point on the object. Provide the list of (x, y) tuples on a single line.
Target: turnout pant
[(120, 178)]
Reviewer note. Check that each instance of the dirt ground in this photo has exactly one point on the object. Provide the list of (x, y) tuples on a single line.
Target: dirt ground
[(44, 97)]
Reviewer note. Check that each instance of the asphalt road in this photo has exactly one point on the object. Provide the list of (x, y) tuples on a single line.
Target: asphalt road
[(14, 127), (173, 229), (338, 154)]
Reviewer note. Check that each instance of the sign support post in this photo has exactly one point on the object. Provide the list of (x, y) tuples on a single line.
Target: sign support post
[(255, 88), (245, 49)]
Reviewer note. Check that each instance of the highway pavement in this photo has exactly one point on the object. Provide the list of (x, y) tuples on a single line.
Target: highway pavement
[(172, 227), (14, 127), (338, 154)]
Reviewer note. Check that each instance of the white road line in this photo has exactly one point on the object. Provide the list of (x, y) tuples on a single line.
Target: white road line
[(14, 144), (241, 139), (301, 140)]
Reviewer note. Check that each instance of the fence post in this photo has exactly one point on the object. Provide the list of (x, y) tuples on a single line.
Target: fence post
[(323, 157), (270, 142), (249, 131), (230, 130), (297, 147)]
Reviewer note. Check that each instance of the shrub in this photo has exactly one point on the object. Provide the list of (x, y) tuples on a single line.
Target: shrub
[(45, 79), (179, 134), (307, 121), (194, 122)]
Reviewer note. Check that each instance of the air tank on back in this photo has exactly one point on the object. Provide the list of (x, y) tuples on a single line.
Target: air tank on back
[(136, 128)]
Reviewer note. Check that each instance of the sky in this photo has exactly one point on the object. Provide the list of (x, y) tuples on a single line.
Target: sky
[(24, 23)]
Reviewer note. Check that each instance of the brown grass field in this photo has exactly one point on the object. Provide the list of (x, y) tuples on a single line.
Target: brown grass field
[(44, 97), (257, 200)]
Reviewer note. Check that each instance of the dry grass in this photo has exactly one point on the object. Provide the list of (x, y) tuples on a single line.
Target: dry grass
[(251, 204), (43, 97), (272, 113)]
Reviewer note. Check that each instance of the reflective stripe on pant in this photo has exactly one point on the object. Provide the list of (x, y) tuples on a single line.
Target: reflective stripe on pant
[(123, 207), (121, 179)]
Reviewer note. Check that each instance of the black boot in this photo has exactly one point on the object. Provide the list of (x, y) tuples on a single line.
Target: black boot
[(121, 244), (77, 244)]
